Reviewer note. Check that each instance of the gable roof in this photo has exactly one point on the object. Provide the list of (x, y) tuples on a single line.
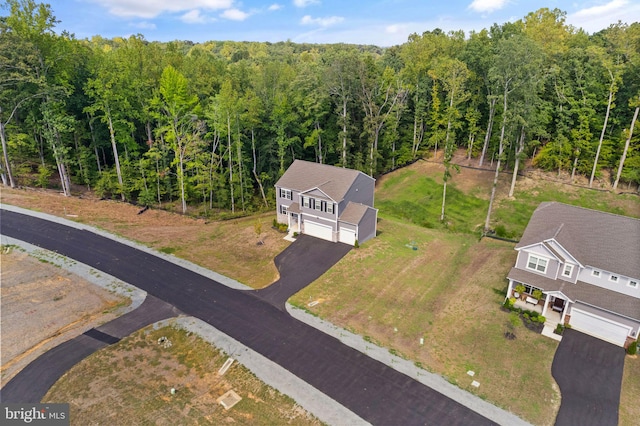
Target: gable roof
[(353, 213), (333, 181), (603, 240)]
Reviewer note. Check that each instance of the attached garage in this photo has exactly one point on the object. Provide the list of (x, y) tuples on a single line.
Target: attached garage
[(347, 236), (318, 230), (597, 326)]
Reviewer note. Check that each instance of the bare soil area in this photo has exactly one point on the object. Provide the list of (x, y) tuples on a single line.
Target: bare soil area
[(42, 306), (131, 381), (228, 247)]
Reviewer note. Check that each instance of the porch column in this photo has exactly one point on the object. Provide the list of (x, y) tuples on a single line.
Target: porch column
[(509, 289), (546, 303), (564, 311)]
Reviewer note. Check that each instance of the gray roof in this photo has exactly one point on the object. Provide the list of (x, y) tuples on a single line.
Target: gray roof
[(602, 240), (305, 175), (582, 292), (353, 213)]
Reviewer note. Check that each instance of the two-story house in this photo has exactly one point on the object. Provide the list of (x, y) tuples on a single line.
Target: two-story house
[(587, 265), (327, 202)]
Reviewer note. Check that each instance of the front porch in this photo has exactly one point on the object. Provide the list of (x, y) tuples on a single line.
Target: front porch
[(552, 317)]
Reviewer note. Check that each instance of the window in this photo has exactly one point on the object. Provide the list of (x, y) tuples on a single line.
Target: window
[(613, 278), (285, 193), (633, 284), (595, 273), (283, 209), (568, 270), (537, 264), (306, 202), (528, 289), (318, 205), (330, 207)]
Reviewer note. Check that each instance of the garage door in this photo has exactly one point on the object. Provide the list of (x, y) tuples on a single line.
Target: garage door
[(599, 327), (347, 236), (318, 230)]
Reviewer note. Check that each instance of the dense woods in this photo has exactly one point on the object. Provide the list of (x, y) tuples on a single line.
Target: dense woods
[(213, 125)]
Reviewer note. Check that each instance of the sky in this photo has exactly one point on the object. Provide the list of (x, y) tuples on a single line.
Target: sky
[(378, 22)]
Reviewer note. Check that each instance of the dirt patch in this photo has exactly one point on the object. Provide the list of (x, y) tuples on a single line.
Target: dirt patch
[(228, 247), (42, 306), (132, 382)]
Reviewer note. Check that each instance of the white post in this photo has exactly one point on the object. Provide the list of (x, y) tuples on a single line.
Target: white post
[(546, 303), (564, 311), (509, 289)]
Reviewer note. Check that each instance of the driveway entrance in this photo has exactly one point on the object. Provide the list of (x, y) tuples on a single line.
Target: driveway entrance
[(589, 373)]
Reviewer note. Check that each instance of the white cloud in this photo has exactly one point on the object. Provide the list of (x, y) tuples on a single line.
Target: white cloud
[(144, 25), (234, 15), (305, 3), (596, 18), (487, 5), (275, 6), (148, 9), (322, 22), (193, 17)]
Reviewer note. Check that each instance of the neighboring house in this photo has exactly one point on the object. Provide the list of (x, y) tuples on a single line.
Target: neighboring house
[(327, 202), (587, 265)]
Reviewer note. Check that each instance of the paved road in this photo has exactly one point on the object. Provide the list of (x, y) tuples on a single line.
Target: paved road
[(589, 373), (32, 382), (372, 390), (300, 264)]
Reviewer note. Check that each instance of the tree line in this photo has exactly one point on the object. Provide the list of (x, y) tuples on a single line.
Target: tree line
[(213, 125)]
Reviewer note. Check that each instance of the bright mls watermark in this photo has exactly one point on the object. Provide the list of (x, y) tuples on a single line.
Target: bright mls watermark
[(34, 414)]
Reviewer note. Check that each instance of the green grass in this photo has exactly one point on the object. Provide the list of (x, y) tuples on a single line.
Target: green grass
[(514, 214), (418, 199)]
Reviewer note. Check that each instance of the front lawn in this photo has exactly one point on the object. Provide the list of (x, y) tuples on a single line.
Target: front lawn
[(449, 292)]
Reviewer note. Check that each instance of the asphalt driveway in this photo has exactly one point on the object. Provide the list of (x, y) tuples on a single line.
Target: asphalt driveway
[(369, 388), (589, 373), (300, 264)]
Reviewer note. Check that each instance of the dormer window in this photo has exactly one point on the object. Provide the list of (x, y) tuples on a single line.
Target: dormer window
[(595, 273), (537, 263), (633, 284), (613, 278), (567, 271)]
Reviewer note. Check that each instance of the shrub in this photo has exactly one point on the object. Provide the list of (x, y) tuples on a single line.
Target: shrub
[(633, 348), (501, 231), (519, 288), (537, 294), (356, 244), (275, 222), (559, 329), (541, 319)]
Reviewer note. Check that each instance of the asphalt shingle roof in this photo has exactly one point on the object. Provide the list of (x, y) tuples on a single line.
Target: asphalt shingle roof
[(353, 213), (305, 175), (582, 292), (602, 240)]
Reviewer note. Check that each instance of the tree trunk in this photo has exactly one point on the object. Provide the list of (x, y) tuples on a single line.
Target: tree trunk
[(344, 133), (115, 155), (444, 197), (255, 173), (500, 148), (626, 148), (487, 137), (517, 162), (233, 203), (5, 155), (320, 159), (604, 128)]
